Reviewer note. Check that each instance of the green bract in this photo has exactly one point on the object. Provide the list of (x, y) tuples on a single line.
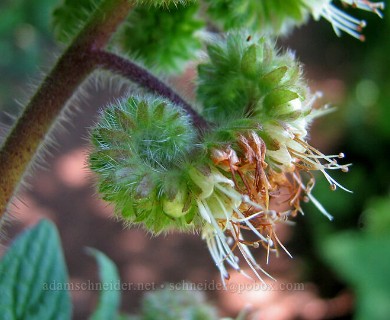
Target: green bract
[(163, 37), (267, 16), (140, 147)]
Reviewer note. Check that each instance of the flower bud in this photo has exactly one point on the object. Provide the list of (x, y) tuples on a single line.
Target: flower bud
[(140, 147)]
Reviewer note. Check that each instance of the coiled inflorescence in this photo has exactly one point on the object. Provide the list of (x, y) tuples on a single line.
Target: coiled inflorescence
[(140, 146), (248, 173)]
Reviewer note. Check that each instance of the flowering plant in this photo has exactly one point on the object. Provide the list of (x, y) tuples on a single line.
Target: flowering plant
[(232, 164)]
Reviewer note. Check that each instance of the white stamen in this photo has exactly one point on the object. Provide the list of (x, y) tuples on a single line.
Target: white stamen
[(341, 21), (256, 232), (314, 200)]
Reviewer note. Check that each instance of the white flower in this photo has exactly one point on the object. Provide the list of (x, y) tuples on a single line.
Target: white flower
[(220, 206), (342, 21)]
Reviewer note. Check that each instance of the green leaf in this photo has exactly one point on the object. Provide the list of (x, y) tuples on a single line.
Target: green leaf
[(376, 217), (109, 298), (277, 98), (33, 277), (363, 261)]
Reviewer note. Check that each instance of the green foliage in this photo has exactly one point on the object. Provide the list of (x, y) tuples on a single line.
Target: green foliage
[(140, 149), (376, 218), (174, 303), (163, 3), (71, 15), (34, 285), (31, 266), (109, 299), (159, 33), (267, 16), (163, 38), (25, 36), (143, 145), (363, 260)]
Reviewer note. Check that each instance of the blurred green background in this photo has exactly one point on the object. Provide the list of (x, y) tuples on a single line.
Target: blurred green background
[(349, 254)]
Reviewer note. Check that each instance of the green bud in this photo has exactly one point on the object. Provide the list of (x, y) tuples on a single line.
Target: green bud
[(275, 76), (176, 207), (140, 152), (248, 85), (248, 77)]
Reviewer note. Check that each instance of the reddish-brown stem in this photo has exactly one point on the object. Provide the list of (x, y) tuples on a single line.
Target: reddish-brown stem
[(141, 76), (72, 68)]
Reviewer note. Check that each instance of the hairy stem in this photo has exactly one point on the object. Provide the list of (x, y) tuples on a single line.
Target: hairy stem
[(141, 76), (72, 68)]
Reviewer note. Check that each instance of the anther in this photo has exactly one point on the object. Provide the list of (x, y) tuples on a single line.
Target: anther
[(333, 187), (341, 155)]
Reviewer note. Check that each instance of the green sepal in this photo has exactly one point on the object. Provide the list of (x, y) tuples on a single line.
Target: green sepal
[(125, 120), (275, 76), (248, 62), (271, 144), (276, 102), (142, 114), (189, 217), (291, 116), (108, 136)]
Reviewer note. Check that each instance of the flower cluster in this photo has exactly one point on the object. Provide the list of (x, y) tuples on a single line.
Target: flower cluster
[(234, 183), (278, 16), (342, 21)]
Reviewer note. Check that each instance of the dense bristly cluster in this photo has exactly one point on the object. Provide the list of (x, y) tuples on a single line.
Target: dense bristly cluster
[(234, 183), (279, 16), (170, 41)]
